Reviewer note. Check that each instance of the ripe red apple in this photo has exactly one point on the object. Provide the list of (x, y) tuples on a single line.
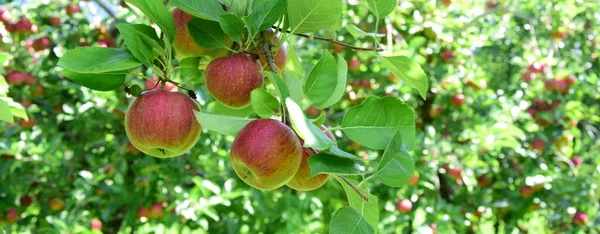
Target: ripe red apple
[(455, 173), (366, 83), (458, 100), (537, 67), (96, 224), (526, 191), (151, 84), (162, 123), (54, 21), (279, 56), (184, 44), (266, 154), (404, 206), (301, 180), (25, 200), (24, 26), (414, 180), (72, 9), (27, 123), (143, 212), (528, 76), (483, 181), (577, 161), (337, 48), (447, 55), (41, 44), (15, 78), (579, 219), (12, 215), (156, 210), (570, 79), (538, 144), (231, 79), (56, 204), (353, 65)]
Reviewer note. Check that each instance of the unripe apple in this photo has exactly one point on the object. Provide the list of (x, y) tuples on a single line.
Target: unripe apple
[(337, 48), (279, 57), (143, 212), (458, 100), (151, 84), (54, 21), (266, 154), (526, 191), (162, 123), (27, 123), (96, 224), (231, 79), (12, 215), (353, 65), (156, 210), (25, 201), (72, 9), (579, 219), (538, 144), (528, 76), (41, 44), (404, 206), (302, 180), (56, 204), (184, 43)]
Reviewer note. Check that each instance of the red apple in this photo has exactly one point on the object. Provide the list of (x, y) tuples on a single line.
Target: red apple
[(54, 21), (455, 173), (579, 219), (528, 76), (353, 65), (41, 44), (15, 78), (156, 210), (12, 215), (525, 191), (56, 204), (231, 79), (96, 224), (302, 180), (570, 79), (537, 67), (266, 154), (458, 100), (27, 123), (483, 181), (162, 123), (313, 112), (404, 206), (491, 4), (577, 161), (447, 55), (72, 9), (414, 180), (337, 48), (25, 200), (24, 26), (538, 144), (143, 212)]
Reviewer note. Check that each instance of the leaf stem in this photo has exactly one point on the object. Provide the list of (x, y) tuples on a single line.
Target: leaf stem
[(332, 41), (362, 195)]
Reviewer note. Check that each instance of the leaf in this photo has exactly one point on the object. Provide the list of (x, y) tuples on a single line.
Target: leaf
[(295, 86), (189, 67), (5, 113), (100, 81), (227, 125), (5, 57), (312, 135), (358, 33), (324, 163), (137, 45), (220, 109), (335, 151), (98, 60), (381, 8), (322, 79), (158, 13), (206, 9), (279, 84), (347, 220), (16, 109), (375, 122), (3, 85), (232, 25), (263, 103), (309, 16), (292, 63), (263, 14), (368, 209), (237, 7), (340, 85), (408, 71), (396, 165), (207, 34)]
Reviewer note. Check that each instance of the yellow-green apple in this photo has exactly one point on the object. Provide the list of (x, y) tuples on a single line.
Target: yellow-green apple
[(266, 154), (404, 206), (302, 180), (184, 44), (231, 79), (12, 215), (56, 204), (96, 224), (162, 123)]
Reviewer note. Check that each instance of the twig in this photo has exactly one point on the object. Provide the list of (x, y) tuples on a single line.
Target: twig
[(265, 49), (363, 196), (105, 8), (332, 41)]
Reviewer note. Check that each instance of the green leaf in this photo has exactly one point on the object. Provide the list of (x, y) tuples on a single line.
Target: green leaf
[(237, 7), (158, 13), (3, 85), (335, 151), (357, 33), (137, 45), (322, 80), (206, 9), (313, 136), (227, 125), (408, 71), (189, 67), (279, 84), (4, 57), (396, 165), (367, 209), (325, 163), (292, 63), (5, 113), (263, 103), (375, 122), (263, 14), (381, 8), (295, 86), (101, 81), (340, 85), (207, 34), (320, 120), (309, 16), (98, 60), (16, 108), (232, 25), (347, 220), (220, 109)]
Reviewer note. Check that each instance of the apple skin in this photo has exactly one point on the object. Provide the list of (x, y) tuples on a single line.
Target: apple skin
[(15, 78), (12, 215), (353, 65), (302, 180), (72, 9), (96, 224), (41, 44), (458, 100), (143, 212), (184, 43), (56, 204), (231, 79), (404, 206), (576, 161), (162, 123), (266, 154), (579, 219)]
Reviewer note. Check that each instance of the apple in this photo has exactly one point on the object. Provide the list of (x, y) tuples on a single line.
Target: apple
[(537, 67), (447, 2), (337, 48), (279, 57), (231, 79), (455, 173), (15, 78), (162, 123), (435, 110), (558, 35), (570, 79), (366, 83), (458, 100), (313, 112), (491, 4), (27, 123), (56, 204), (477, 85), (96, 224), (54, 21), (266, 154), (107, 42), (404, 206), (579, 219), (483, 181), (12, 215), (109, 169), (538, 144), (447, 55), (525, 191), (24, 26), (184, 43), (354, 65), (41, 44), (414, 180), (25, 200), (156, 210), (302, 180), (72, 9), (151, 84), (528, 76), (577, 161), (4, 15), (143, 212)]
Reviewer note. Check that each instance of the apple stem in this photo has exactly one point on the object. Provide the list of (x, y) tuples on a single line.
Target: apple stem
[(363, 196), (332, 41)]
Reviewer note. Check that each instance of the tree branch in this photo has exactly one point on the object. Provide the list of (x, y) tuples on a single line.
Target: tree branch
[(105, 8), (265, 49), (332, 41)]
